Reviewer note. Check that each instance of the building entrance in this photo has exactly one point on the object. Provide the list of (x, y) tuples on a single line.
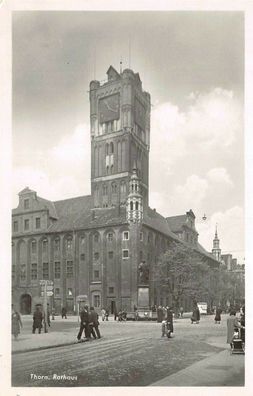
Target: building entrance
[(25, 304)]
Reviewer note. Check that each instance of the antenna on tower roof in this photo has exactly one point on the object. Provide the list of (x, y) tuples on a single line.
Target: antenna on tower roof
[(129, 53), (95, 62), (120, 64)]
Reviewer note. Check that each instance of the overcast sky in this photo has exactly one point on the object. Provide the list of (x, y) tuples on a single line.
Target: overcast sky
[(192, 64)]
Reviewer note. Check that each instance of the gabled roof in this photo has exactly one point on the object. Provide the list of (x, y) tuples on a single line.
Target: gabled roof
[(176, 222), (38, 204), (113, 72), (154, 220), (26, 190)]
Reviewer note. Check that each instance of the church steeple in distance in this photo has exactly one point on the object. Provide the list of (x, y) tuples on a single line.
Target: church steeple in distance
[(216, 251)]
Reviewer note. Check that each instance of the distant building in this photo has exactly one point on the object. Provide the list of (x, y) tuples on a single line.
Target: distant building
[(103, 245)]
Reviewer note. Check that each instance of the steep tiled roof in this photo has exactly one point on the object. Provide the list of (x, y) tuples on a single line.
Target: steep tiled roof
[(161, 224), (176, 222), (77, 213), (158, 222)]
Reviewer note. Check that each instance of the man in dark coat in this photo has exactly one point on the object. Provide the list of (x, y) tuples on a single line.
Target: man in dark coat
[(217, 318), (94, 323), (64, 313), (84, 325), (37, 320)]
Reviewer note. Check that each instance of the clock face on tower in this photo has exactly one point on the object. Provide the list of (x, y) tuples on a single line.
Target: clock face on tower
[(108, 108)]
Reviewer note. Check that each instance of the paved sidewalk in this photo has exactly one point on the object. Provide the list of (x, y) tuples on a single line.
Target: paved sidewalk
[(220, 369), (33, 342)]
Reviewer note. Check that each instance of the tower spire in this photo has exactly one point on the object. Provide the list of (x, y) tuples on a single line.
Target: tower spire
[(216, 251)]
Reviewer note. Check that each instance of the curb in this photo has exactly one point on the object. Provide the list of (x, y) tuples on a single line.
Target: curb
[(48, 347)]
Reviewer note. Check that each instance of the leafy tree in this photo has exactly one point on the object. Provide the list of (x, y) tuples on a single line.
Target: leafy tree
[(182, 271)]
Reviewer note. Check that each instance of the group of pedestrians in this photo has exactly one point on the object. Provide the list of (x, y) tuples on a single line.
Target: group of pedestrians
[(89, 324)]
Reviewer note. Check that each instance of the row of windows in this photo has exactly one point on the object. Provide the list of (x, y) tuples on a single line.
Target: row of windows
[(27, 224), (45, 271), (57, 267)]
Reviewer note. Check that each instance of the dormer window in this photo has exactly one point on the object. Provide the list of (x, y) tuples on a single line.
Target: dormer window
[(26, 204)]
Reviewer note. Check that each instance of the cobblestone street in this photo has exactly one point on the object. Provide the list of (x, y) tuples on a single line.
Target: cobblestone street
[(129, 354)]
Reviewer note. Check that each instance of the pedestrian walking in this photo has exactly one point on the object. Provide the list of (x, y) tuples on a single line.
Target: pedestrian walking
[(195, 318), (217, 318), (94, 323), (232, 326), (64, 313), (168, 323), (115, 313), (37, 320), (159, 314), (84, 325), (242, 320), (181, 312), (103, 314), (107, 314), (48, 315), (16, 322)]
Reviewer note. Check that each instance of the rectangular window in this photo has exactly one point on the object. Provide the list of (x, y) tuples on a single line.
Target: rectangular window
[(96, 256), (111, 290), (26, 203), (56, 291), (82, 257), (82, 240), (37, 222), (96, 274), (15, 226), (45, 271), (96, 300), (125, 254), (110, 255), (34, 271), (125, 236), (70, 269), (26, 224), (57, 270), (70, 292), (141, 236)]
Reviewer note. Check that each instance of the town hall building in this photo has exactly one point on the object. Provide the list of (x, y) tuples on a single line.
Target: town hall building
[(103, 246)]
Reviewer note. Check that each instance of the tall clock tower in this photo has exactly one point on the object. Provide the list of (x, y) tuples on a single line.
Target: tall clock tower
[(120, 137)]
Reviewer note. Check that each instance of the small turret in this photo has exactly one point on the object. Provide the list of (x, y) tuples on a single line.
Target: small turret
[(134, 199)]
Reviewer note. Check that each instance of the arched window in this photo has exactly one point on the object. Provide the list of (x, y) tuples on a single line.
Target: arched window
[(111, 148), (131, 205), (107, 149), (111, 169), (34, 246), (96, 238), (105, 190), (107, 170), (114, 188), (136, 205)]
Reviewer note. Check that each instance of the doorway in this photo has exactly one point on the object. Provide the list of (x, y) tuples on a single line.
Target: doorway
[(25, 304), (113, 306)]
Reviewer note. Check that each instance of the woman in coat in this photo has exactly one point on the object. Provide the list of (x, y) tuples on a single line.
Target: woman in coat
[(16, 322), (232, 325), (218, 312)]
